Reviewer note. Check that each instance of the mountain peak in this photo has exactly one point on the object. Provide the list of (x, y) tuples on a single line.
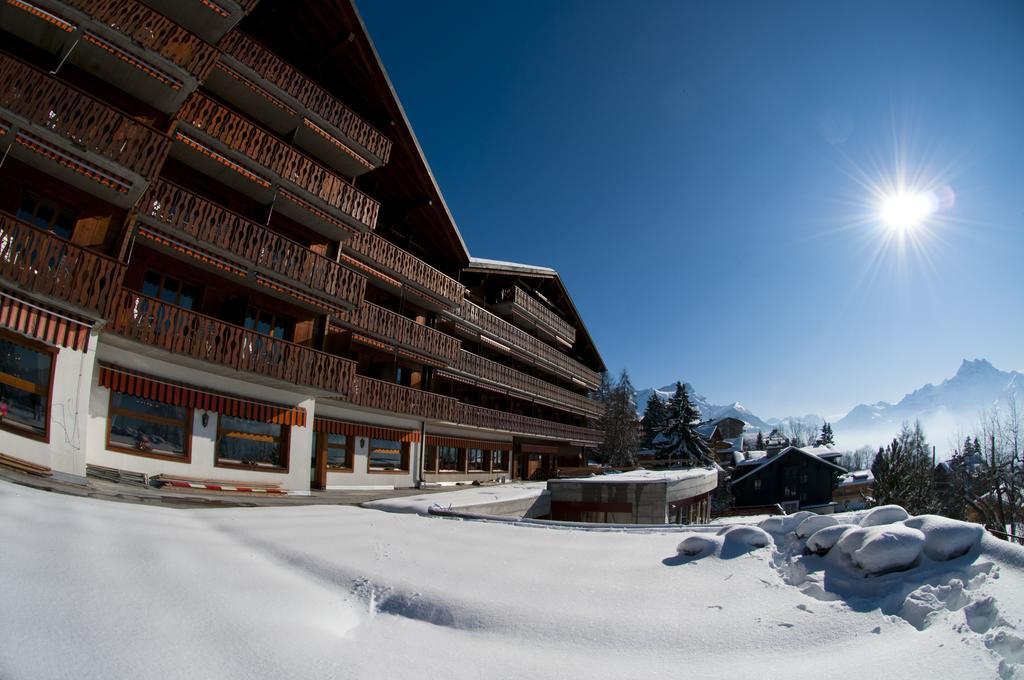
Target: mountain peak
[(975, 366)]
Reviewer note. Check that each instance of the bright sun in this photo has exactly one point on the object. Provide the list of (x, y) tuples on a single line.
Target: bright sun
[(906, 211)]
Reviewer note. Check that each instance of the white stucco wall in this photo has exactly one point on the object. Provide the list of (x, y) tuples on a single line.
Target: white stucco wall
[(69, 399)]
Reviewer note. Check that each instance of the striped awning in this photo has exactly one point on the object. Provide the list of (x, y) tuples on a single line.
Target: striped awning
[(435, 440), (332, 426), (165, 391), (541, 448), (43, 323)]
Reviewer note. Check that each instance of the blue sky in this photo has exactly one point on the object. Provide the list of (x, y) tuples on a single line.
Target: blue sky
[(701, 175)]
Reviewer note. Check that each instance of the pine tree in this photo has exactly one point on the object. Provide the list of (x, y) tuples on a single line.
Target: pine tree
[(903, 472), (654, 419), (680, 440), (619, 422), (826, 438), (760, 441)]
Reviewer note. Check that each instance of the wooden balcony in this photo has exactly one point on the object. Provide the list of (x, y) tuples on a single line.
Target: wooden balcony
[(477, 416), (395, 269), (185, 333), (427, 344), (528, 348), (327, 202), (209, 19), (44, 264), (386, 396), (479, 369), (322, 123), (64, 130), (272, 261), (523, 306)]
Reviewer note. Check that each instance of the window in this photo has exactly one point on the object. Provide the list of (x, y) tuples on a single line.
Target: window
[(170, 289), (448, 459), (338, 450), (268, 323), (388, 455), (757, 485), (430, 459), (25, 373), (476, 460), (251, 442), (499, 460), (148, 427), (803, 478), (47, 215)]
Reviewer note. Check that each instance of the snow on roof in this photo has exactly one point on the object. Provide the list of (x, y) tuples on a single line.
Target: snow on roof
[(634, 476), (462, 498), (857, 477), (484, 263), (748, 457), (782, 453), (706, 430), (826, 450)]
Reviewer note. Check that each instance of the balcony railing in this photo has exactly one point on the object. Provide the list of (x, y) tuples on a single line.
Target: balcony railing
[(529, 346), (153, 31), (84, 122), (386, 396), (211, 224), (315, 98), (43, 263), (380, 253), (498, 374), (524, 303), (391, 327), (478, 416), (255, 143), (184, 332)]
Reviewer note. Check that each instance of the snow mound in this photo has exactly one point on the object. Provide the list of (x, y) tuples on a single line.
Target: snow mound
[(696, 544), (822, 540), (884, 514), (813, 524), (891, 547), (946, 538), (746, 537), (783, 524)]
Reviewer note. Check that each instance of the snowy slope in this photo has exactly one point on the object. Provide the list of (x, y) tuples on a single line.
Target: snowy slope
[(95, 589)]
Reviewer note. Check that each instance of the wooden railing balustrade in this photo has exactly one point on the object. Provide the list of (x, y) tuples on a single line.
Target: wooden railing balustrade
[(492, 371), (373, 393), (208, 222), (312, 96), (79, 119), (476, 315), (383, 323), (153, 31), (245, 137), (533, 308), (378, 252), (44, 263), (184, 332), (478, 416)]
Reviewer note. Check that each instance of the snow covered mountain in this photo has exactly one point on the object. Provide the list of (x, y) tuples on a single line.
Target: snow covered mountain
[(947, 410)]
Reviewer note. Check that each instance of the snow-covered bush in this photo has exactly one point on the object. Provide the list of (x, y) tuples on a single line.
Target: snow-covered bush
[(746, 537), (880, 549), (783, 524), (695, 544), (884, 514), (813, 524), (822, 540), (946, 538)]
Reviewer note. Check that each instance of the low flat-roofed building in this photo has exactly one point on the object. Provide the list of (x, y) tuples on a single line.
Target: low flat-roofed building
[(636, 497)]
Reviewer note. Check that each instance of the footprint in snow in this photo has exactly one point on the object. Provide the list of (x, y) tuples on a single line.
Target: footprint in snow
[(786, 625), (716, 606), (805, 608), (877, 630)]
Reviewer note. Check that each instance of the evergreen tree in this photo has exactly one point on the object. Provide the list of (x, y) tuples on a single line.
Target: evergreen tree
[(826, 438), (903, 472), (619, 422), (760, 441), (654, 419), (680, 440)]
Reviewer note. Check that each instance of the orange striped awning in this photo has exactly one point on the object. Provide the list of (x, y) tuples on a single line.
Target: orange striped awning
[(434, 440), (139, 385), (43, 323), (332, 426)]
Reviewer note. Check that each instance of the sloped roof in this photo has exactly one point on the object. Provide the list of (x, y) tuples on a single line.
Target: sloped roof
[(785, 452)]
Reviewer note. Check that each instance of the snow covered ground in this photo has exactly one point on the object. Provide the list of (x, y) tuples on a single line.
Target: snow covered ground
[(95, 589)]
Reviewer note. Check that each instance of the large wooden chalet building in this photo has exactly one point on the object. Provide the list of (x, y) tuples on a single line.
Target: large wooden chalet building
[(224, 257)]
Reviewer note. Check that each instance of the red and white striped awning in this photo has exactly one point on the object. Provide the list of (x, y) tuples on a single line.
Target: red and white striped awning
[(43, 322), (332, 426), (167, 392)]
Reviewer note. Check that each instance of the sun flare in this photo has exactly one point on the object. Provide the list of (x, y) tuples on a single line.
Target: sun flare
[(906, 211)]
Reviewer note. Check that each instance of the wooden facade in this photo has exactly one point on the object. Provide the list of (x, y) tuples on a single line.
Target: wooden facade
[(214, 192)]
